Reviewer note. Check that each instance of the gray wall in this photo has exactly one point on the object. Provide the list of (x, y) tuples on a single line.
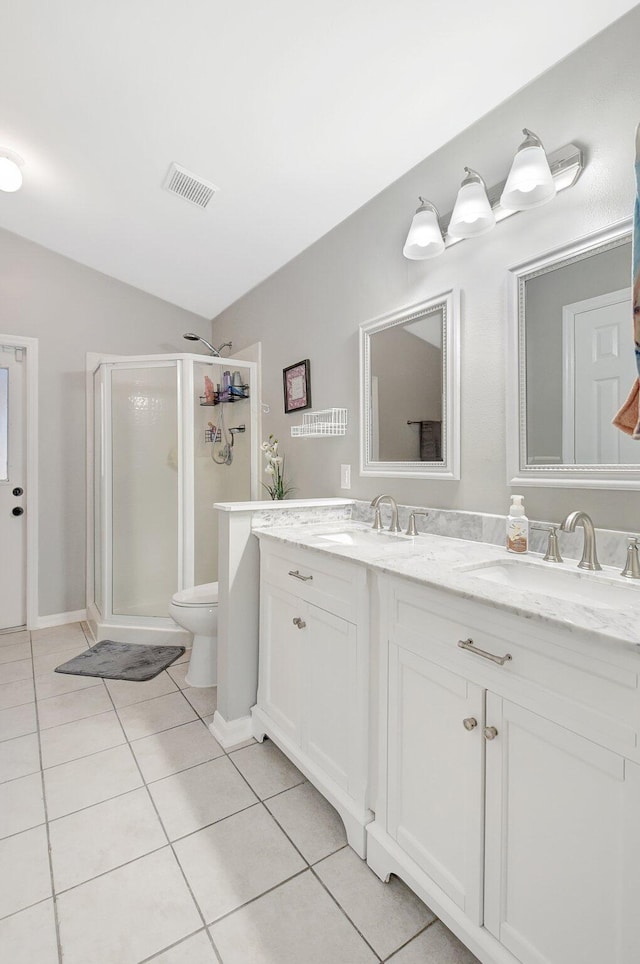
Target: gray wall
[(72, 310), (312, 307)]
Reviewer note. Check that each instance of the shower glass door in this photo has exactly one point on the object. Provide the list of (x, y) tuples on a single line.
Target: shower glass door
[(145, 488)]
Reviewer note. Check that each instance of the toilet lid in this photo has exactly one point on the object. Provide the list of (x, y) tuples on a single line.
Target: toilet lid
[(205, 595)]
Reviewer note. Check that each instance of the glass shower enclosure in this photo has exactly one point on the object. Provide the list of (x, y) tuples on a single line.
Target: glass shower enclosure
[(168, 436)]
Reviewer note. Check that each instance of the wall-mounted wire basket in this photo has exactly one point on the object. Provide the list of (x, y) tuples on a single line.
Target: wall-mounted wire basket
[(235, 393), (212, 434), (321, 424)]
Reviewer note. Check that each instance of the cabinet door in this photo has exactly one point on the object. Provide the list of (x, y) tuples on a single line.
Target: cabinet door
[(282, 642), (332, 699), (562, 843), (435, 774)]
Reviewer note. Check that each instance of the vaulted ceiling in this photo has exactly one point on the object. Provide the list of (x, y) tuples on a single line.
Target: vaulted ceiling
[(299, 112)]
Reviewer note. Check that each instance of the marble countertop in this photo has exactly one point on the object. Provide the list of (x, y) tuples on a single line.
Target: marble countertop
[(441, 562)]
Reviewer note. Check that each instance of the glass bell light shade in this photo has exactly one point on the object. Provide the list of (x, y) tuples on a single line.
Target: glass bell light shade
[(10, 173), (530, 182), (425, 237), (472, 214)]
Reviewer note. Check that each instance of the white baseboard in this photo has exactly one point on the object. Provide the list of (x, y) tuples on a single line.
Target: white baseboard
[(61, 619), (230, 733)]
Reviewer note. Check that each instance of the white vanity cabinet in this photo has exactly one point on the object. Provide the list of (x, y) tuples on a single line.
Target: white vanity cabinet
[(509, 795), (313, 683)]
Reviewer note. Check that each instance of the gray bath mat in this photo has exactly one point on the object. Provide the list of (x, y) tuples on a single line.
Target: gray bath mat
[(129, 661)]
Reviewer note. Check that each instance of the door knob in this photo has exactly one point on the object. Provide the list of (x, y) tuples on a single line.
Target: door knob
[(490, 732), (300, 623), (17, 511), (18, 491), (470, 723)]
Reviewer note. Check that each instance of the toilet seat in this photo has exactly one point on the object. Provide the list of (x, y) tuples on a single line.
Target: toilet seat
[(205, 595)]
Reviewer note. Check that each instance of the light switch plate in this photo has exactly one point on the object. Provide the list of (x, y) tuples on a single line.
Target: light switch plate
[(345, 476)]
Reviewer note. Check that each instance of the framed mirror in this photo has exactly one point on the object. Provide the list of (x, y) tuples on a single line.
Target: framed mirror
[(409, 391), (571, 365)]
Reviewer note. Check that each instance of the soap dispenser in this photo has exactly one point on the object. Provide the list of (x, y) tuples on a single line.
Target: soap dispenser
[(517, 526)]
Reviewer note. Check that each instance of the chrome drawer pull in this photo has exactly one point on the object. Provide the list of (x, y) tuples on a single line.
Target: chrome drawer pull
[(468, 644), (298, 575), (300, 623)]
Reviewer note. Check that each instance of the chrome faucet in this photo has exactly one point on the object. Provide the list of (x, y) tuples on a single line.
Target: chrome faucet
[(375, 504), (589, 555)]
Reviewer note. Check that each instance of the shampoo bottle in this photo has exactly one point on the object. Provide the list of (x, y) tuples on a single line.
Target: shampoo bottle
[(517, 526)]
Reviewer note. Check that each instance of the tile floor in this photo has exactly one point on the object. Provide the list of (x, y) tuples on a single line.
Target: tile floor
[(128, 835)]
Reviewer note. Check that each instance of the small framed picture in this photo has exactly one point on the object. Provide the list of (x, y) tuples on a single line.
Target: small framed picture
[(297, 386)]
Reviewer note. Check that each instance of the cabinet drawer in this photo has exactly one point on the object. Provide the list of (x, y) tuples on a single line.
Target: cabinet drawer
[(590, 695), (321, 580)]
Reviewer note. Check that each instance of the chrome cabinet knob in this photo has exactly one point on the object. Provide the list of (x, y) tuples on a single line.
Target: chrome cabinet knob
[(490, 732), (300, 623), (470, 723)]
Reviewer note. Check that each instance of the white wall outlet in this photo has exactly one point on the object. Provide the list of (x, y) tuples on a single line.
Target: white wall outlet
[(345, 476)]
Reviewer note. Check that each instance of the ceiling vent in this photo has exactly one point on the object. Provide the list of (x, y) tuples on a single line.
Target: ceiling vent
[(189, 186)]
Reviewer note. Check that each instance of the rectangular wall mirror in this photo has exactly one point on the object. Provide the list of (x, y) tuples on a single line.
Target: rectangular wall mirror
[(409, 391), (572, 365)]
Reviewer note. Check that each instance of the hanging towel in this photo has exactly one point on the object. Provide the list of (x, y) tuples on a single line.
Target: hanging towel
[(430, 441), (628, 418)]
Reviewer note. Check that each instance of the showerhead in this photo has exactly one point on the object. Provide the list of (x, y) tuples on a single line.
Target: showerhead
[(190, 336)]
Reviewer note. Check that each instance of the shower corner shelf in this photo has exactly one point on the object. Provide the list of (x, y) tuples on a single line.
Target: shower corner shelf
[(321, 424), (225, 401)]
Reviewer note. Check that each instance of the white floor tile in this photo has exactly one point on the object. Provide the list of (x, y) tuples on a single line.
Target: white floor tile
[(19, 757), (125, 693), (186, 656), (15, 694), (236, 860), (10, 639), (295, 923), (78, 705), (436, 945), (177, 749), (45, 664), (100, 838), (177, 672), (66, 644), (266, 769), (69, 631), (21, 804), (25, 877), (204, 699), (128, 914), (74, 740), (309, 820), (194, 798), (195, 950), (9, 654), (387, 915), (12, 672), (90, 780), (17, 721), (152, 716), (55, 684), (29, 937)]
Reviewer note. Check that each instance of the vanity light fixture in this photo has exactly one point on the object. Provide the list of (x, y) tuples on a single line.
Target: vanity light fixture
[(530, 182), (425, 237), (472, 214), (534, 179), (10, 173)]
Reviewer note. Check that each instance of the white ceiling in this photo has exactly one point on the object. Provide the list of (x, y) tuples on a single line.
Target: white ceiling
[(300, 112)]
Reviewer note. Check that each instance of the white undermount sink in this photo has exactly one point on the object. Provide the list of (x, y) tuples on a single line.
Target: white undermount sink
[(589, 588), (360, 537)]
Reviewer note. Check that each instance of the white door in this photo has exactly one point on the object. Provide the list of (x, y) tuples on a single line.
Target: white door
[(283, 620), (435, 774), (330, 716), (600, 368), (13, 538), (562, 876)]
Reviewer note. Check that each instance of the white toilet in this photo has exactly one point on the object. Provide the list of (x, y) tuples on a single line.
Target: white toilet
[(196, 610)]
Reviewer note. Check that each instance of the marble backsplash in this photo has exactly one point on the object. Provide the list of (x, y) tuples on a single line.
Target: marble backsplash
[(280, 515), (482, 527)]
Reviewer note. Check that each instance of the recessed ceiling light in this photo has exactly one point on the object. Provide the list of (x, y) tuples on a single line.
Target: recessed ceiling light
[(10, 173)]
